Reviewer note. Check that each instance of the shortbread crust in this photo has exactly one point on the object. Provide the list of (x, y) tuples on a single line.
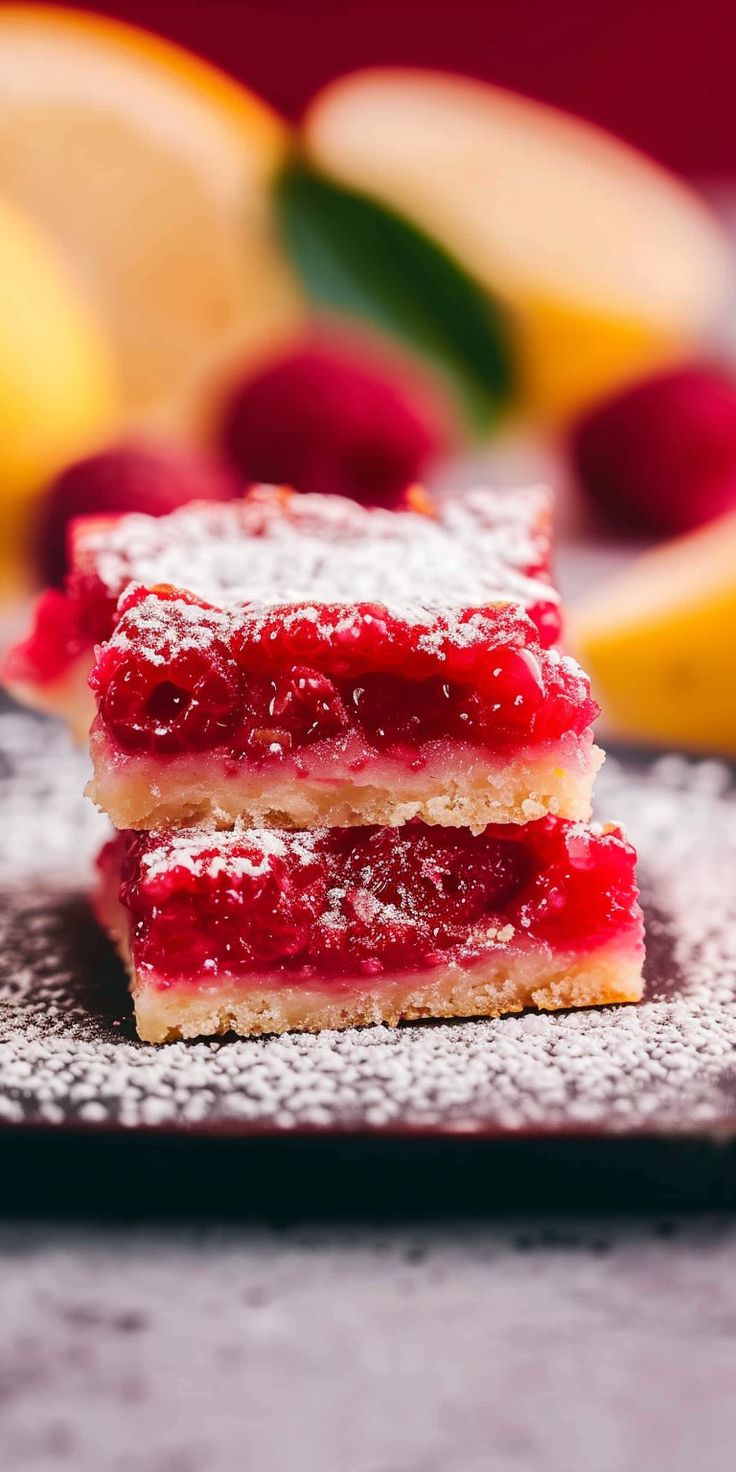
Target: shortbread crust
[(526, 979), (462, 788)]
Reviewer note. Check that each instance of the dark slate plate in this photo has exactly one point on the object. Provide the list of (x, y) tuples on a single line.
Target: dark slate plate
[(665, 1071)]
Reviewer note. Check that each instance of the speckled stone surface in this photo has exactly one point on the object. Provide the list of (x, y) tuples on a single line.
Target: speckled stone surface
[(544, 1347)]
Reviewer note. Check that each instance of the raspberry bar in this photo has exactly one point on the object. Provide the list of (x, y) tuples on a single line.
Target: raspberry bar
[(263, 930), (296, 661)]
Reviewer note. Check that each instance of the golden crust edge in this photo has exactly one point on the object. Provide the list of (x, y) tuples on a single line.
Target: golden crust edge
[(511, 983), (517, 791)]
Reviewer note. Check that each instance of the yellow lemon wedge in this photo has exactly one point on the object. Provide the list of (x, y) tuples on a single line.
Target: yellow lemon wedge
[(658, 641), (607, 263), (149, 170), (58, 395)]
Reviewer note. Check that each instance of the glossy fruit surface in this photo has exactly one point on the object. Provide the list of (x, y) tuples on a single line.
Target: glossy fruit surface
[(255, 694), (662, 455), (607, 264), (338, 903), (323, 418), (658, 641)]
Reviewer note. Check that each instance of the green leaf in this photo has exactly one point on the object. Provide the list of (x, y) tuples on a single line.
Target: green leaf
[(358, 257)]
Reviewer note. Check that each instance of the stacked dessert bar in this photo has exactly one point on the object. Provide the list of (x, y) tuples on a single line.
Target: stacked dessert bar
[(349, 767)]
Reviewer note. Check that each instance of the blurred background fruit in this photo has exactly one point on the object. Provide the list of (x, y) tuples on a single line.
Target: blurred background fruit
[(332, 416), (58, 392), (150, 172), (428, 277), (658, 640), (370, 265), (608, 264), (154, 479), (146, 263), (662, 455), (658, 74)]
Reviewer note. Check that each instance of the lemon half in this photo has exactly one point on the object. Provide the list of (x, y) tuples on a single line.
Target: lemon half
[(149, 171)]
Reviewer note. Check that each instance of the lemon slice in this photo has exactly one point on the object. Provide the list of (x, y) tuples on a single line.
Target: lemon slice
[(658, 642), (609, 263), (149, 170)]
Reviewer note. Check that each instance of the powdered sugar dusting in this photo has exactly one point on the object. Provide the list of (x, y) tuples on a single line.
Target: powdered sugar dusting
[(193, 854), (276, 548), (159, 629), (153, 626), (67, 1047)]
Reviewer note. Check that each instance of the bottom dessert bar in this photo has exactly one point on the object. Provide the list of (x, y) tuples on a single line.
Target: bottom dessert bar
[(258, 931)]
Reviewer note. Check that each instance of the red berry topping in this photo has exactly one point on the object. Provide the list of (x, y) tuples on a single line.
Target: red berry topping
[(443, 876), (663, 453), (124, 478), (584, 882), (179, 675), (513, 688), (366, 637), (569, 705), (253, 908), (190, 703), (347, 902), (324, 418), (307, 705), (547, 615)]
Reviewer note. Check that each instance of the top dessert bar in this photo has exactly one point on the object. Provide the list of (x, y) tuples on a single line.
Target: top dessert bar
[(299, 660)]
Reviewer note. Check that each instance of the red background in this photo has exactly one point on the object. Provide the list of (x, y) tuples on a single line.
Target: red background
[(660, 72)]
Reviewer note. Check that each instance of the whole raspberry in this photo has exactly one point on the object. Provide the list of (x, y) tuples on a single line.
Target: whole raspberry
[(663, 454), (439, 875), (324, 418), (127, 477), (186, 702), (306, 703)]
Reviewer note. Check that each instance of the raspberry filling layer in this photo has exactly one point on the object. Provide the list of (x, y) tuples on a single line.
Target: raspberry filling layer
[(336, 904), (277, 549), (180, 676)]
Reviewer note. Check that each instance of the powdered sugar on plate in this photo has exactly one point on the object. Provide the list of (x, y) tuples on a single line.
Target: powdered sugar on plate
[(68, 1051)]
